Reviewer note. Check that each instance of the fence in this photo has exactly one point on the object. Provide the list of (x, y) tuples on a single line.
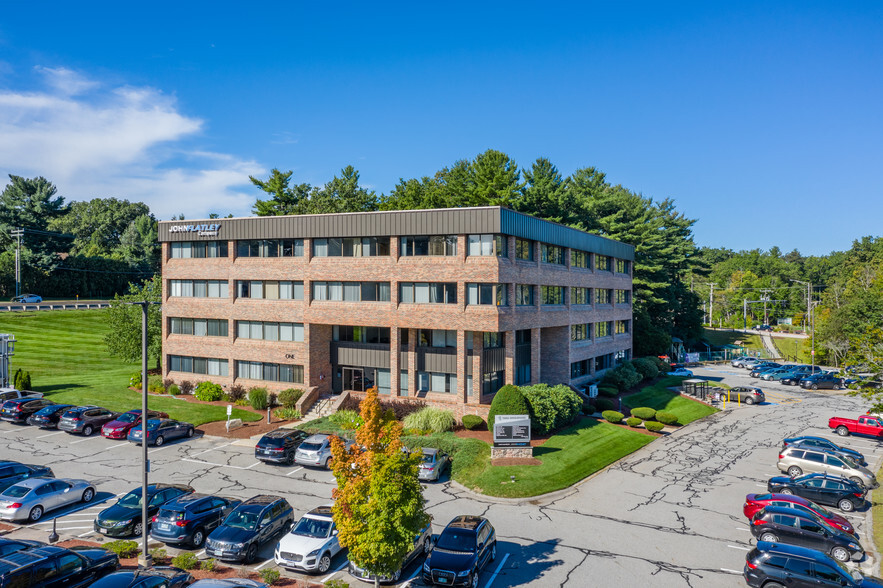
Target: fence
[(50, 306)]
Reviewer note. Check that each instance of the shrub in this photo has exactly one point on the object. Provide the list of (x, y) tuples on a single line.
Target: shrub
[(241, 402), (666, 418), (156, 388), (472, 422), (399, 408), (662, 366), (508, 400), (603, 404), (646, 367), (208, 391), (16, 379), (609, 391), (653, 426), (186, 387), (289, 397), (551, 407), (611, 416), (154, 380), (208, 565), (25, 381), (236, 392), (588, 408), (123, 548), (272, 400), (644, 413), (287, 414), (346, 419), (269, 575), (186, 561), (623, 377), (134, 380), (159, 555), (257, 398), (335, 583), (431, 419), (633, 421), (167, 382), (174, 390)]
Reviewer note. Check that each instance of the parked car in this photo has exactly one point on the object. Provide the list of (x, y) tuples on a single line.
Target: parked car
[(120, 426), (821, 489), (311, 544), (27, 298), (315, 451), (19, 410), (422, 545), (681, 372), (8, 546), (155, 577), (161, 430), (462, 550), (29, 499), (810, 442), (228, 583), (787, 525), (190, 518), (747, 394), (866, 424), (823, 380), (85, 419), (757, 368), (47, 417), (797, 461), (779, 564), (740, 361), (123, 519), (434, 464), (51, 566), (8, 393), (12, 472), (756, 502), (251, 524), (279, 446)]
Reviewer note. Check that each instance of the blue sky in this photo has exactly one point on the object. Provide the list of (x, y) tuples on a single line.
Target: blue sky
[(762, 120)]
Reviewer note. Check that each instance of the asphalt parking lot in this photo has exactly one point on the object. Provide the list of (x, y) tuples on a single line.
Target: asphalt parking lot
[(671, 513)]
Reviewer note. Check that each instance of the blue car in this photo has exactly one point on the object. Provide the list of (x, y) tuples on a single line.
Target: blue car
[(161, 430)]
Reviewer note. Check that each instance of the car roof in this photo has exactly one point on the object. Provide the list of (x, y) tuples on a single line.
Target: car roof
[(323, 511), (430, 451), (469, 522), (187, 499), (261, 500), (784, 549), (278, 433), (317, 438), (787, 511), (34, 482), (83, 408)]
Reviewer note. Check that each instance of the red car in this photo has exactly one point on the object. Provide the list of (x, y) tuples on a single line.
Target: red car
[(119, 428), (755, 502)]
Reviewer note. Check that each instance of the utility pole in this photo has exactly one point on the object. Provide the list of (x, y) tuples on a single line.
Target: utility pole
[(809, 322), (765, 298), (710, 304), (17, 233)]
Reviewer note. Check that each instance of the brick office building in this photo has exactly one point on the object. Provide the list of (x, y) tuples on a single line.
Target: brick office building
[(446, 305)]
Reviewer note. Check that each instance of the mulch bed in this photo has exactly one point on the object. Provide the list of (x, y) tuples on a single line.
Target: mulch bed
[(488, 438), (4, 528)]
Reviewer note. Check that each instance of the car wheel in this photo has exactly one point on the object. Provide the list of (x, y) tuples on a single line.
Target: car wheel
[(842, 431), (190, 432), (794, 471), (36, 514), (857, 481), (88, 495), (324, 563), (846, 505), (88, 430), (840, 553), (159, 441), (815, 386), (770, 537), (325, 465), (198, 538), (749, 400), (786, 491), (251, 554), (138, 530), (290, 459)]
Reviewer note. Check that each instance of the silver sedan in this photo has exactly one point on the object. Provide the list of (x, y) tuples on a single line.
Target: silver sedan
[(29, 499)]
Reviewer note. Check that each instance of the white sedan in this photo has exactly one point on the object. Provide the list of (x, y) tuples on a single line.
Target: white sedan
[(682, 372), (28, 298)]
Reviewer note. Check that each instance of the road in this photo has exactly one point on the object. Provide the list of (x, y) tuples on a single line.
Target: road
[(671, 513)]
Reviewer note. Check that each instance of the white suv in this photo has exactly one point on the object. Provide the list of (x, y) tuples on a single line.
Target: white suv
[(311, 544)]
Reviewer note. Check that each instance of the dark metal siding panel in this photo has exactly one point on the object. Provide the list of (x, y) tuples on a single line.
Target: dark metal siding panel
[(360, 354), (528, 227), (438, 360), (493, 360)]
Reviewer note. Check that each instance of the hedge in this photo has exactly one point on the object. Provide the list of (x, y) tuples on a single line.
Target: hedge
[(653, 426), (551, 407), (472, 422), (603, 404), (611, 416), (644, 413), (666, 418), (588, 408), (633, 421), (646, 367), (508, 400)]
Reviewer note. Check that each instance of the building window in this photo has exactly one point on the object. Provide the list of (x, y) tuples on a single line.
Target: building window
[(351, 247), (524, 295), (492, 381), (603, 296), (270, 331), (604, 362), (623, 296), (487, 294), (436, 338), (523, 249), (198, 288), (622, 266), (580, 259), (552, 254), (358, 334), (270, 372), (621, 356), (428, 292), (270, 248), (428, 245), (199, 249), (198, 327), (622, 327), (603, 329), (581, 332), (437, 382), (269, 290), (580, 368), (198, 365), (494, 340), (485, 245), (403, 383), (602, 263), (351, 291), (522, 374), (580, 295), (552, 295)]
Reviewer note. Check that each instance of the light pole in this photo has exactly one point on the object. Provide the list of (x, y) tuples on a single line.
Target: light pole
[(810, 324)]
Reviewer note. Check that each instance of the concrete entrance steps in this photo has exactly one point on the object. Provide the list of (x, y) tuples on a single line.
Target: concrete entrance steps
[(322, 407)]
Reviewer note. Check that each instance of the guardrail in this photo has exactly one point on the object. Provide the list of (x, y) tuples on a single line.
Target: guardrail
[(53, 306)]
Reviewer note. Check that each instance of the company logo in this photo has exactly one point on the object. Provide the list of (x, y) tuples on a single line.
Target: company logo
[(200, 230)]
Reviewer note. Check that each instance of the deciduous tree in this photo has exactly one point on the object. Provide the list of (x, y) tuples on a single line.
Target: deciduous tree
[(123, 338)]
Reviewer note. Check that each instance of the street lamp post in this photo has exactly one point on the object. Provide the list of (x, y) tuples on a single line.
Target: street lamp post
[(810, 324)]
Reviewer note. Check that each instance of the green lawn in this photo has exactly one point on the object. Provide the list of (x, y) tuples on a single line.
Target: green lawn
[(719, 338), (658, 396), (64, 351), (792, 349)]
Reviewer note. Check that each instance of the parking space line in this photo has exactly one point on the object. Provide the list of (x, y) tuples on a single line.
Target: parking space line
[(331, 575), (411, 579), (73, 528), (212, 449), (256, 568), (86, 439), (295, 470), (89, 532), (219, 465), (117, 445), (742, 529), (497, 571), (201, 553), (51, 434), (731, 571), (737, 547), (73, 521)]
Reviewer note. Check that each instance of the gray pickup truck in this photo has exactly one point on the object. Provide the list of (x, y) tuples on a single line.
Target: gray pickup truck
[(12, 394)]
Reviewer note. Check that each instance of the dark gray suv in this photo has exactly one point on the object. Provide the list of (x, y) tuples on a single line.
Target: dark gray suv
[(251, 524)]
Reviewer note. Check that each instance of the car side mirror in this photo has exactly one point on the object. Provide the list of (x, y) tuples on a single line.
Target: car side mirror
[(334, 532)]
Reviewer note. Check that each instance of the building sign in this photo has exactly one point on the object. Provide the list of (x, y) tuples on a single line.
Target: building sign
[(201, 230), (511, 430), (692, 357)]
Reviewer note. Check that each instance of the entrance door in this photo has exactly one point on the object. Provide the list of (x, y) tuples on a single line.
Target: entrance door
[(353, 379)]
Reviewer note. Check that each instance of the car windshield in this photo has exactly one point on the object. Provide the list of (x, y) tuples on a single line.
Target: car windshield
[(131, 500), (312, 528), (310, 446), (428, 458), (272, 442), (128, 418), (242, 520), (16, 491), (821, 510), (849, 461), (456, 540)]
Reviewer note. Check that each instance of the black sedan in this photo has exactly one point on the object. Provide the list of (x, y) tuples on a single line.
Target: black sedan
[(809, 441), (157, 577), (19, 409), (12, 472), (123, 519), (47, 418), (821, 489)]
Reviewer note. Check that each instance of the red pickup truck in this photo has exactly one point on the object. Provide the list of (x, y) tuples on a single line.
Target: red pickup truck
[(866, 424)]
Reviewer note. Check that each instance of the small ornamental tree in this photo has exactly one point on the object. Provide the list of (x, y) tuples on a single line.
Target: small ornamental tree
[(378, 503)]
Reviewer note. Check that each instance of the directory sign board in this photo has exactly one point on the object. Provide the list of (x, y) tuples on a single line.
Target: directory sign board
[(511, 430)]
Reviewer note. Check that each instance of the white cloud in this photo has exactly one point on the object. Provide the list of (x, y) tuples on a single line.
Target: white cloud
[(97, 141)]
